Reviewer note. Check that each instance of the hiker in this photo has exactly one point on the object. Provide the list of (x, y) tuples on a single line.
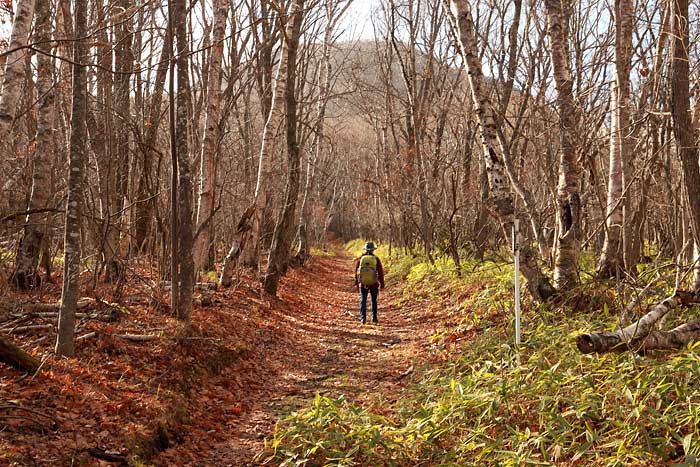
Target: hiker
[(369, 276)]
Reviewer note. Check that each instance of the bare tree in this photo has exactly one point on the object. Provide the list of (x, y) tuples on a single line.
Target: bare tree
[(65, 342), (250, 254), (10, 91), (284, 228), (612, 256), (682, 125), (34, 236), (568, 247), (212, 138), (501, 197), (186, 272), (334, 12)]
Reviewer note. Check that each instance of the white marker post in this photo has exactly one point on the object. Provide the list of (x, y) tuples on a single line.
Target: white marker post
[(516, 255)]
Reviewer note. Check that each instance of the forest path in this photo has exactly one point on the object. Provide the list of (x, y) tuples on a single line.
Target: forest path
[(328, 351)]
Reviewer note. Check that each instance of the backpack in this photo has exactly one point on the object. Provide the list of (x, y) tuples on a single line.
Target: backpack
[(367, 271)]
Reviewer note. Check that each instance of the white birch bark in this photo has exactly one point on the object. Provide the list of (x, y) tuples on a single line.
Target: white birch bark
[(251, 251), (237, 247), (65, 342), (568, 217), (25, 274), (284, 227), (212, 136), (501, 199), (14, 70), (642, 335), (612, 256)]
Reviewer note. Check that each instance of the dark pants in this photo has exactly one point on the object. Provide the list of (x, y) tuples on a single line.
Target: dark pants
[(374, 292)]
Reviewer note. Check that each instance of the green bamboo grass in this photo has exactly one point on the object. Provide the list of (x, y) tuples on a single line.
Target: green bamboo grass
[(492, 406)]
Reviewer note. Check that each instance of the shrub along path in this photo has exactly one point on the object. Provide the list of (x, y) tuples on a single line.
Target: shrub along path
[(330, 352)]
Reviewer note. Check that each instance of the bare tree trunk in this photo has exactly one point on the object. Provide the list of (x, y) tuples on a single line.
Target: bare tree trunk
[(185, 277), (65, 342), (251, 252), (36, 226), (682, 124), (14, 70), (501, 198), (237, 246), (212, 137), (101, 128), (569, 202), (116, 248), (144, 190), (282, 237), (612, 257), (172, 133)]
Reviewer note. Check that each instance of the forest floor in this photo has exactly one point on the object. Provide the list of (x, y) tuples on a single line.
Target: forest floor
[(211, 398)]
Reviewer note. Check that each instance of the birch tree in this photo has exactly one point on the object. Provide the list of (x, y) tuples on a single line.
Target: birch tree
[(34, 235), (10, 91), (501, 200), (284, 228), (210, 143), (568, 216), (250, 254), (612, 256), (65, 342)]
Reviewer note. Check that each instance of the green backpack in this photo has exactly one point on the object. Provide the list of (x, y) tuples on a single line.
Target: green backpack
[(367, 271)]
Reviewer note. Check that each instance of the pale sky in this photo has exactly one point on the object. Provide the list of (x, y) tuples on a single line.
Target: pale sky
[(357, 23), (5, 26)]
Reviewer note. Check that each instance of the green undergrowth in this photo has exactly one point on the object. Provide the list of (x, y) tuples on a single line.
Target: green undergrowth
[(321, 252), (494, 405)]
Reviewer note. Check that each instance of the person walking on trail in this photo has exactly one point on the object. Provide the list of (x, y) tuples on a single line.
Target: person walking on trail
[(369, 277)]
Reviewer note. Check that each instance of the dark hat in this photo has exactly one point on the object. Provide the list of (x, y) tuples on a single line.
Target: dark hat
[(369, 246)]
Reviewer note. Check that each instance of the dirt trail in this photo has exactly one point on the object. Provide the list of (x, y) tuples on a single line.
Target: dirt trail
[(328, 351)]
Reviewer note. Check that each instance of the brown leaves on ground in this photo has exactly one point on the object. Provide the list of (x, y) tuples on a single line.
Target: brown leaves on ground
[(210, 398)]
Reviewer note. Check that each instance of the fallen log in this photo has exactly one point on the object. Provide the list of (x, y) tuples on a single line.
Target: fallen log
[(129, 337), (137, 337), (16, 357), (641, 335), (49, 307), (109, 314), (202, 286), (33, 327), (109, 456)]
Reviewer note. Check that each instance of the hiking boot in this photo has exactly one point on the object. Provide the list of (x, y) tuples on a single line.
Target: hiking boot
[(363, 321), (374, 320)]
